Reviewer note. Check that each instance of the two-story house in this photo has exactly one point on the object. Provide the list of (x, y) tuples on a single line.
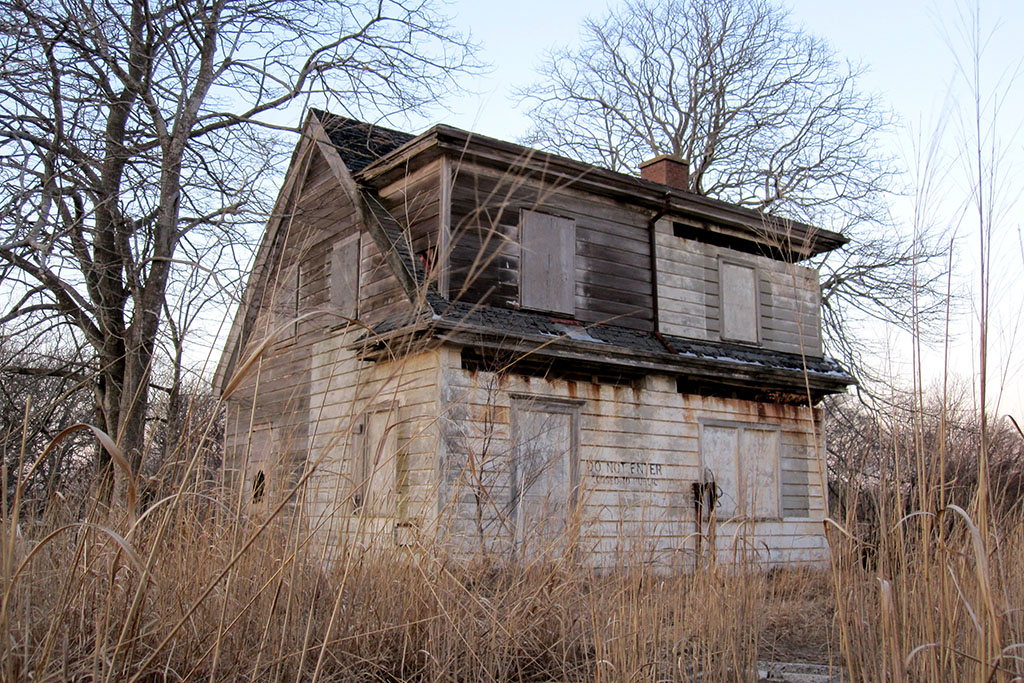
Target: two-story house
[(452, 338)]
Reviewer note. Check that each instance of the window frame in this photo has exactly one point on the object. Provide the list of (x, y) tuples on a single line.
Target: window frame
[(730, 260)]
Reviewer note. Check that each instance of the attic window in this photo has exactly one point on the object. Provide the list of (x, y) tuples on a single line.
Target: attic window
[(547, 263), (345, 276)]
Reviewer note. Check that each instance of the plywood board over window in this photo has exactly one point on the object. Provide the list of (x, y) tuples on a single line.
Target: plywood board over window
[(545, 471), (375, 471), (345, 276), (740, 306), (744, 461), (547, 274)]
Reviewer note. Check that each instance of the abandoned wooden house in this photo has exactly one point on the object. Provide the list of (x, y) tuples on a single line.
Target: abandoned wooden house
[(450, 338)]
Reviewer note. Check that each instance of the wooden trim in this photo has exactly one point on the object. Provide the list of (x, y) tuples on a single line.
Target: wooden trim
[(524, 396), (444, 235)]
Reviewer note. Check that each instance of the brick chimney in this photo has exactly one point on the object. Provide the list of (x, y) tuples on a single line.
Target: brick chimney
[(667, 170)]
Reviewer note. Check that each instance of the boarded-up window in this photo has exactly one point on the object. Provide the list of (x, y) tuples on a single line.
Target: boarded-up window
[(286, 301), (744, 460), (376, 464), (345, 276), (737, 284), (547, 265), (545, 471), (796, 494)]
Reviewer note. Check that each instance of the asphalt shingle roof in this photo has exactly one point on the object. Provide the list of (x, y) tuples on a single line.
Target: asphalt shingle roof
[(734, 353), (360, 143), (513, 325)]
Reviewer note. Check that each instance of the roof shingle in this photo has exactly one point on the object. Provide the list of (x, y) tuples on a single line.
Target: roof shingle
[(360, 143)]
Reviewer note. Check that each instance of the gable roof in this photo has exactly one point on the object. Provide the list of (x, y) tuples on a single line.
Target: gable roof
[(359, 143), (353, 144)]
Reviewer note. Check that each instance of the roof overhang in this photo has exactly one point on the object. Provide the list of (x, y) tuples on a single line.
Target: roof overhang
[(765, 371), (799, 239)]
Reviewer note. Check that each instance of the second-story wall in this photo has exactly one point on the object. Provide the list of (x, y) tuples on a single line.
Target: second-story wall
[(505, 239), (609, 265), (714, 293)]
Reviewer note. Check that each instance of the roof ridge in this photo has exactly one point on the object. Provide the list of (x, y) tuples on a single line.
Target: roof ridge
[(360, 143), (330, 117)]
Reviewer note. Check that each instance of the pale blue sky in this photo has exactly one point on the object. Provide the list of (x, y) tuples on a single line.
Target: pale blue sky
[(899, 40)]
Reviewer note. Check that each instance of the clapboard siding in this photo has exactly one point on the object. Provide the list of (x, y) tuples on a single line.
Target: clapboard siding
[(612, 254), (342, 390), (274, 396), (380, 294), (688, 295), (619, 428), (415, 204)]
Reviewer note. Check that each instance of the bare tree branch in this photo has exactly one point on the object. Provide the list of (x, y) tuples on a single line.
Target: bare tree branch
[(131, 152)]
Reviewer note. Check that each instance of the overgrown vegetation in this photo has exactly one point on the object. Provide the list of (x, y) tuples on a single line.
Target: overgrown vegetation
[(199, 587)]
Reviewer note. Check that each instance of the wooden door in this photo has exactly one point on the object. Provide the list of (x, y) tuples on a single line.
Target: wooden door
[(375, 466), (545, 474)]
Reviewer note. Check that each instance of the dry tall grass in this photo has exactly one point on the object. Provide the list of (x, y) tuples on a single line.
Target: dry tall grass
[(192, 589), (190, 592)]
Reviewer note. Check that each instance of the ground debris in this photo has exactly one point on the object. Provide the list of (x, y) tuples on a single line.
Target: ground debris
[(790, 672)]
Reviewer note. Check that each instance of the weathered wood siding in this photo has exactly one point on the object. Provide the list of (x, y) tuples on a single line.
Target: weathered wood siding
[(689, 295), (344, 391), (639, 453), (612, 257), (269, 423), (415, 204)]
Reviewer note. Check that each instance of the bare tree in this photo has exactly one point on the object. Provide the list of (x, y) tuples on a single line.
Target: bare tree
[(767, 116), (41, 394), (134, 136)]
